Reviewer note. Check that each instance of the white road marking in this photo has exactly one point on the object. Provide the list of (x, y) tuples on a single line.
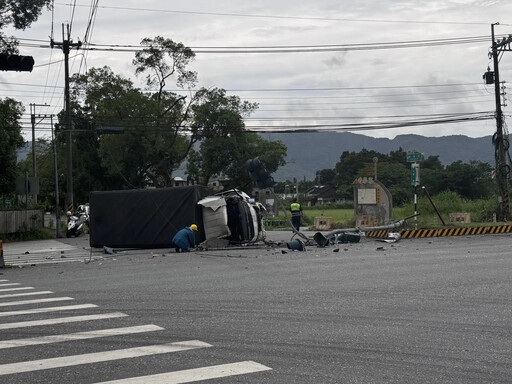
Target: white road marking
[(3, 281), (9, 284), (47, 309), (89, 358), (198, 374), (35, 301), (25, 294), (61, 320), (78, 336), (16, 289)]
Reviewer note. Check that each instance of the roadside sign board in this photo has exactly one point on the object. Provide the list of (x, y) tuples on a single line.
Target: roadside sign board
[(414, 157)]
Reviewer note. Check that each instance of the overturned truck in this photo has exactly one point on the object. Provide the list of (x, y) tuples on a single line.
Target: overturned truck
[(150, 218)]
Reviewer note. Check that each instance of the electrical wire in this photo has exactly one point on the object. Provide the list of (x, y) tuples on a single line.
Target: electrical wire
[(306, 48), (278, 17)]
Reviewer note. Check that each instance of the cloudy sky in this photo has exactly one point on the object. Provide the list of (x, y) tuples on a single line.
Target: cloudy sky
[(324, 65)]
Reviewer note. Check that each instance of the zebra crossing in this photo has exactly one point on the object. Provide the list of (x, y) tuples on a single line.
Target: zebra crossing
[(11, 317), (52, 252)]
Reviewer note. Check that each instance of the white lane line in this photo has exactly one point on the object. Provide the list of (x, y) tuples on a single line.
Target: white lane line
[(61, 320), (47, 309), (35, 301), (16, 289), (25, 294), (89, 358), (78, 336), (3, 281), (198, 374), (10, 284)]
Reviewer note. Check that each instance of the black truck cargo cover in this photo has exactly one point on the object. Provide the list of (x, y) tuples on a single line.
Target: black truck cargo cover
[(147, 218)]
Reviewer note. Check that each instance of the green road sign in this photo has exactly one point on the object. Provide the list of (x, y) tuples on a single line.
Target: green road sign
[(414, 157)]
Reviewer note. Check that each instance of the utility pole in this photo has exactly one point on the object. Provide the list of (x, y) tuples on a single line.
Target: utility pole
[(500, 143), (66, 46), (34, 163), (56, 176)]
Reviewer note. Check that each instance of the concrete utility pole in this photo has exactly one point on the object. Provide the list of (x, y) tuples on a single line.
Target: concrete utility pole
[(66, 46), (502, 168), (33, 122)]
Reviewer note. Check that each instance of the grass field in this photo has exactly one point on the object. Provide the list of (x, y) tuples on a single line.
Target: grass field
[(481, 212)]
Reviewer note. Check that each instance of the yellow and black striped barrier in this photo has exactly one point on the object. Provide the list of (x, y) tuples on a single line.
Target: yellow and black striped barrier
[(422, 233)]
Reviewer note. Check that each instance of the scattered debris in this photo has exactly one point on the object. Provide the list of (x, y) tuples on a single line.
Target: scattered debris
[(380, 249), (109, 250), (296, 245), (336, 250), (393, 237), (283, 252)]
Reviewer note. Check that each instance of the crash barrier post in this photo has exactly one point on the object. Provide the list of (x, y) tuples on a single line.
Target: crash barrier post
[(2, 263), (323, 223)]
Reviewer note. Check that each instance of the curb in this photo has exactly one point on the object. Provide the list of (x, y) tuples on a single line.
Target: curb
[(422, 233)]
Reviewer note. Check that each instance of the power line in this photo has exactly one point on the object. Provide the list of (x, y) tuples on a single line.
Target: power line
[(280, 17), (306, 48)]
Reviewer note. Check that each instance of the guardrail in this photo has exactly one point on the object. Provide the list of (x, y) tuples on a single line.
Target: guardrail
[(421, 233)]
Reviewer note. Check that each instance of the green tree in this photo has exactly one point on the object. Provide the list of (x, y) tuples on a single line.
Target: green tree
[(350, 167), (227, 155), (160, 127), (10, 139), (470, 180), (397, 179), (20, 14), (325, 177)]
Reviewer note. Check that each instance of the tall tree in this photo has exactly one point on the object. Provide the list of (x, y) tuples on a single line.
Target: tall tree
[(20, 14), (10, 139), (160, 127), (227, 156)]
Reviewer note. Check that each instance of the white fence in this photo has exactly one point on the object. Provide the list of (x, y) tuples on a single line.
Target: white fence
[(16, 221)]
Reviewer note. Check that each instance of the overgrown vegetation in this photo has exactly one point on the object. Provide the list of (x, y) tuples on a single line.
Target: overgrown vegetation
[(471, 180), (35, 234)]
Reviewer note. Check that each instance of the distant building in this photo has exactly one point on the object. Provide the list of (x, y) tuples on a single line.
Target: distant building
[(217, 183), (179, 182), (320, 194)]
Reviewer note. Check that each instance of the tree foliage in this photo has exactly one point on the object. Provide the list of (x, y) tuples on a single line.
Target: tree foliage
[(470, 180), (228, 155), (19, 14), (10, 139), (160, 128)]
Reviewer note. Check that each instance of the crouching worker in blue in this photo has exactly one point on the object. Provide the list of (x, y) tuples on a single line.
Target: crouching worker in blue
[(184, 239)]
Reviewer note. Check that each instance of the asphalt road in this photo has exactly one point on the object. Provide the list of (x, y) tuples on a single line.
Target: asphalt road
[(418, 311)]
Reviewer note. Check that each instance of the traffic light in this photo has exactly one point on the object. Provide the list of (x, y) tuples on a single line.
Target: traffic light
[(10, 62), (259, 174)]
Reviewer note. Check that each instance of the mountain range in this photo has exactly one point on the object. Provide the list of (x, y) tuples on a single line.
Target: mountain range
[(311, 152)]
